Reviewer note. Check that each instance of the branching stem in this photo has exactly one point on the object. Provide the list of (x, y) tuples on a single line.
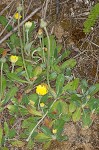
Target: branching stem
[(40, 121)]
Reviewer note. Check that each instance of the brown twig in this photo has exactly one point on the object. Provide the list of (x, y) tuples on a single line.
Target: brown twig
[(6, 7), (44, 10), (15, 29)]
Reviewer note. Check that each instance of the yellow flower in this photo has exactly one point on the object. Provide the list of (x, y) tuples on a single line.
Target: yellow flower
[(17, 16), (13, 58), (54, 131), (28, 25), (41, 90), (42, 104)]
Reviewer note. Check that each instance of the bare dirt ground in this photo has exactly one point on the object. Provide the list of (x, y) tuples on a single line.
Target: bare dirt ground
[(65, 20)]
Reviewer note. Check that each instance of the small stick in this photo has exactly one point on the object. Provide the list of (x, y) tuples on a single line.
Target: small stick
[(15, 29), (6, 8)]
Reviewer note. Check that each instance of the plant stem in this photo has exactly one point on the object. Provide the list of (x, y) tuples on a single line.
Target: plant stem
[(48, 59), (22, 50), (1, 79), (42, 47), (40, 121), (27, 35), (13, 64), (39, 102)]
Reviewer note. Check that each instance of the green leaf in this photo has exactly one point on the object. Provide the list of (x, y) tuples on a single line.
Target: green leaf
[(66, 117), (12, 108), (29, 70), (11, 93), (64, 107), (84, 84), (1, 110), (93, 104), (14, 77), (15, 41), (19, 62), (62, 138), (56, 68), (55, 105), (71, 85), (1, 51), (52, 44), (25, 99), (76, 115), (60, 107), (32, 27), (86, 119), (1, 134), (72, 107), (68, 72), (6, 128), (31, 121), (28, 46), (30, 145), (18, 143), (46, 131), (93, 89), (4, 84), (12, 133), (37, 71), (34, 98), (23, 111), (53, 76), (59, 83), (44, 98), (57, 50), (41, 137), (59, 126), (55, 53), (25, 124), (33, 111), (63, 56), (68, 64), (4, 22), (92, 18)]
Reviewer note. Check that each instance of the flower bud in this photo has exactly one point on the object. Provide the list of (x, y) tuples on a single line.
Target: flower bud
[(54, 131), (19, 8), (43, 23), (28, 25), (40, 33), (42, 105)]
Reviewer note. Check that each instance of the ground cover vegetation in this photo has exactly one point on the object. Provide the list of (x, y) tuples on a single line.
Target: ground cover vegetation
[(37, 86)]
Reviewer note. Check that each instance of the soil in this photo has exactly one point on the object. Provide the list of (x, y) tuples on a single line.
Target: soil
[(65, 20)]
